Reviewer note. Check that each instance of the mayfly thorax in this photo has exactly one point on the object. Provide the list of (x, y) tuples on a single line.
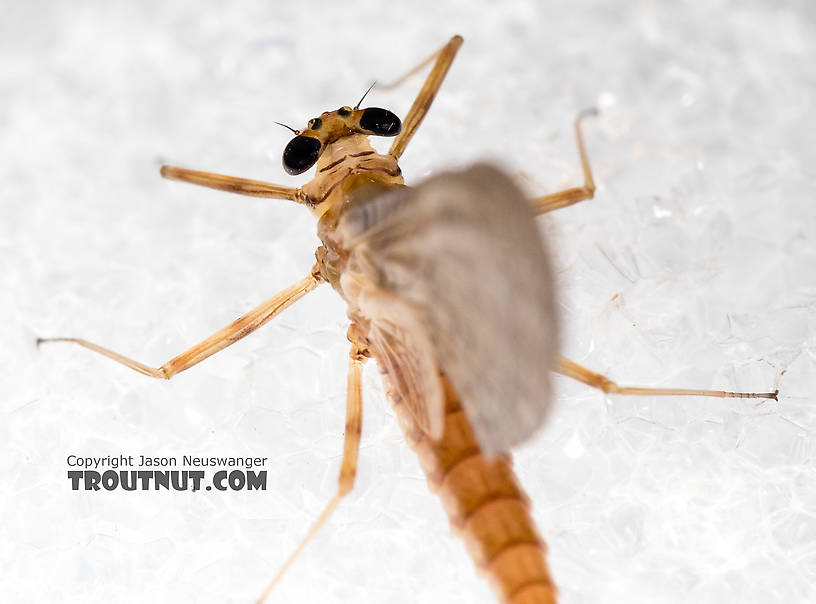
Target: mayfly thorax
[(449, 288)]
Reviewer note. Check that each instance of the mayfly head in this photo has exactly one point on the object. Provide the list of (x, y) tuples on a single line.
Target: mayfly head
[(305, 149)]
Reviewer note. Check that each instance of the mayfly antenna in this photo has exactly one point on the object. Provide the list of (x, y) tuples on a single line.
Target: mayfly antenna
[(357, 106), (288, 127)]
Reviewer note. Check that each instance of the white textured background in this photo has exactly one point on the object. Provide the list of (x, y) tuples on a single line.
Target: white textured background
[(695, 266)]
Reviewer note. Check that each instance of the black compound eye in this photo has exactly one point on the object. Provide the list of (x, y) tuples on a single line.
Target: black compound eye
[(300, 154), (315, 123), (344, 110), (380, 121)]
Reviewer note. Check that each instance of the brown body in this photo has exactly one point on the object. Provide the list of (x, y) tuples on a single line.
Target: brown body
[(482, 497), (486, 506)]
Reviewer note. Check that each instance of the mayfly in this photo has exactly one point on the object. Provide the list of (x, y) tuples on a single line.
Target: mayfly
[(449, 287)]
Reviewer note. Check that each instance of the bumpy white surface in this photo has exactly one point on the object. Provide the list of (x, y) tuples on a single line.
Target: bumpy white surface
[(694, 266)]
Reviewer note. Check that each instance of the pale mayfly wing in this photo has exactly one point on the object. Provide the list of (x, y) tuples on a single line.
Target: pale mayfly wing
[(453, 275)]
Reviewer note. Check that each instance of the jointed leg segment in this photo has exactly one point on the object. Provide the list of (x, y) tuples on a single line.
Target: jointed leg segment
[(567, 197), (444, 58), (233, 184), (239, 328), (351, 450), (601, 382)]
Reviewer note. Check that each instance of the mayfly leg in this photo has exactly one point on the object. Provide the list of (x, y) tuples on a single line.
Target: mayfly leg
[(238, 329), (233, 184), (565, 366), (351, 450), (444, 58), (568, 197), (601, 382)]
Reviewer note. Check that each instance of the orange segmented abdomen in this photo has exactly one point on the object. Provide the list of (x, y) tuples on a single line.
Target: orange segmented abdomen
[(486, 506)]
